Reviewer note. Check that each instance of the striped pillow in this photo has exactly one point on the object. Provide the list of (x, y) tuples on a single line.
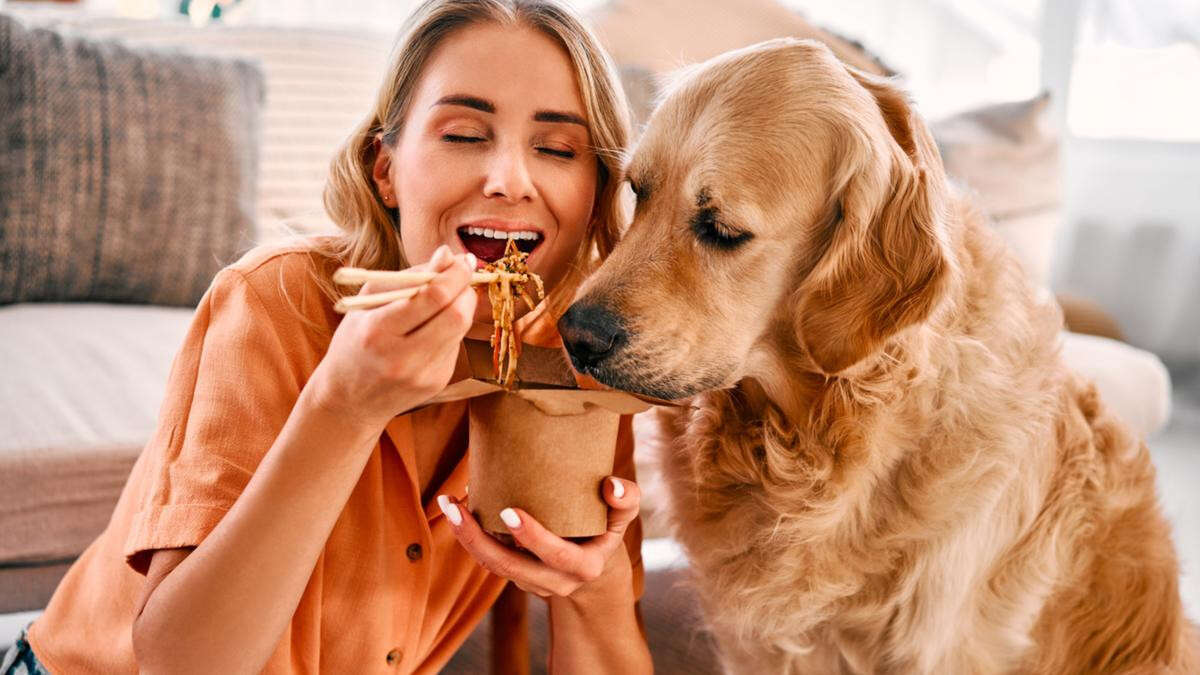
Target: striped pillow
[(126, 175)]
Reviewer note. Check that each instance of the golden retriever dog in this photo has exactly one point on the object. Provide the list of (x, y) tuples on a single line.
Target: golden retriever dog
[(883, 465)]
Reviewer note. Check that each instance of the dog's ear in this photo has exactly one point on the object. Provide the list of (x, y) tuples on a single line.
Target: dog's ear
[(884, 263)]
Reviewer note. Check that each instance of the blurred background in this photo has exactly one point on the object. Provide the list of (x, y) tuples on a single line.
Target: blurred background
[(1074, 123)]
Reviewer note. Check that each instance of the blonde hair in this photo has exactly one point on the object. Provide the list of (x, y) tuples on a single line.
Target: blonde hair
[(371, 231)]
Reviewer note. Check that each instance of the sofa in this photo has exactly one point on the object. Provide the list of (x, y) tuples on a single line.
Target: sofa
[(81, 375)]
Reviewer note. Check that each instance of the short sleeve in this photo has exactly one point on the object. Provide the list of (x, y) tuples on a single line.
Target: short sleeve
[(623, 466), (231, 388)]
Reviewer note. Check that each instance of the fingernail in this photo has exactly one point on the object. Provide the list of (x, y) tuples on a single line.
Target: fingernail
[(510, 518), (471, 261), (450, 509), (618, 488)]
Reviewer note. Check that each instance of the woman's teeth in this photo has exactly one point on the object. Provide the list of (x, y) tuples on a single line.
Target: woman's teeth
[(488, 244), (500, 234)]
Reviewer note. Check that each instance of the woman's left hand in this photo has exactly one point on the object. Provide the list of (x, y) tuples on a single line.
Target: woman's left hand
[(553, 566)]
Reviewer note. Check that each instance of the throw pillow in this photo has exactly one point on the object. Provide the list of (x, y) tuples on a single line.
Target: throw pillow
[(125, 175), (1006, 154)]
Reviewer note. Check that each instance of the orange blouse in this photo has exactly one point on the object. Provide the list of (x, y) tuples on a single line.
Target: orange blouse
[(391, 592)]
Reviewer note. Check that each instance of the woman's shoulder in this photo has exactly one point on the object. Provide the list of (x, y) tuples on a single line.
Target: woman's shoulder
[(291, 257), (285, 276)]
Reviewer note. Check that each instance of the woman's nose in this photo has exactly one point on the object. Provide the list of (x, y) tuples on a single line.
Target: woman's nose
[(508, 176)]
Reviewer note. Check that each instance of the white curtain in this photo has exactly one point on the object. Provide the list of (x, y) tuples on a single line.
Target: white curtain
[(1146, 23), (1129, 74)]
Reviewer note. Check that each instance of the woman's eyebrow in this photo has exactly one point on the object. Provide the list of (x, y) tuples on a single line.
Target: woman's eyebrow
[(475, 102), (556, 116), (484, 105)]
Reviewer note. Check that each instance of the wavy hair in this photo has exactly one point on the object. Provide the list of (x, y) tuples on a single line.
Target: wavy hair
[(370, 231)]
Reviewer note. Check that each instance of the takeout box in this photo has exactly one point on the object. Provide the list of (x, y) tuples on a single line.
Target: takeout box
[(544, 447)]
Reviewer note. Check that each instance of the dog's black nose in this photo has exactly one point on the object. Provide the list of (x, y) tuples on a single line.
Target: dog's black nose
[(590, 333)]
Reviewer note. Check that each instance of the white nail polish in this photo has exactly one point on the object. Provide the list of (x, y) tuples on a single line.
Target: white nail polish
[(618, 488), (510, 518), (471, 261), (450, 509)]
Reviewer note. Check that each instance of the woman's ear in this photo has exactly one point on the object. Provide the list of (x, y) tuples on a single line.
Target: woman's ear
[(381, 172), (886, 264)]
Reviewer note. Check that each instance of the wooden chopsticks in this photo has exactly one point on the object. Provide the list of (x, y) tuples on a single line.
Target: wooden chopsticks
[(410, 281)]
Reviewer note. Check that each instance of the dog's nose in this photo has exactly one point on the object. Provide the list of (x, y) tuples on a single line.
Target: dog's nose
[(590, 333)]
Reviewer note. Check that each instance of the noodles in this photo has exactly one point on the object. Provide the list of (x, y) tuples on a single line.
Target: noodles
[(506, 278), (505, 344)]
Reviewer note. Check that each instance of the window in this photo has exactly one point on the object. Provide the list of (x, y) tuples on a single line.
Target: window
[(1136, 71)]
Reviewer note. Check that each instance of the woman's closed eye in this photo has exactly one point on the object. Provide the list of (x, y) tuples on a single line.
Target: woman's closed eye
[(467, 137), (463, 138), (565, 153)]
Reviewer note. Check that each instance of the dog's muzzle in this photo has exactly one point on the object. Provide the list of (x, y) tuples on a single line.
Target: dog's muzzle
[(591, 333)]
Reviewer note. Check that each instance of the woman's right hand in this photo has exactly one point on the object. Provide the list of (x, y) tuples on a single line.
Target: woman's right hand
[(390, 359)]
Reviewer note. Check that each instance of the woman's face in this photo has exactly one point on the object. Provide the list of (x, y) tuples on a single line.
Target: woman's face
[(495, 145)]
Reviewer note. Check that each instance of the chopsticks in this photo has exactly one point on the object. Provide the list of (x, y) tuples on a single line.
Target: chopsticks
[(350, 303), (411, 282), (358, 275)]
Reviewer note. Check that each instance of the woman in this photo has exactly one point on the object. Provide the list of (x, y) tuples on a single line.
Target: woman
[(282, 518)]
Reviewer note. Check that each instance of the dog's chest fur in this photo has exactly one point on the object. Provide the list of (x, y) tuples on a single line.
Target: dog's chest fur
[(845, 544)]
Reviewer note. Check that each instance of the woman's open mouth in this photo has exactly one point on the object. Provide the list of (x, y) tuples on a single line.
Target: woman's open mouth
[(488, 244)]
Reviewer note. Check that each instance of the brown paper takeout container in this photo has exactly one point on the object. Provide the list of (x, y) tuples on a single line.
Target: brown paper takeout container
[(544, 447)]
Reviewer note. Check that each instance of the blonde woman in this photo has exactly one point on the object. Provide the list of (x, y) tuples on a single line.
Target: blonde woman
[(289, 515)]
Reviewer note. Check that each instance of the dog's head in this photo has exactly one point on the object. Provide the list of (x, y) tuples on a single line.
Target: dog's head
[(784, 202)]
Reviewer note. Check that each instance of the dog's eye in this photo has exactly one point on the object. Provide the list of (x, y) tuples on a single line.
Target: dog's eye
[(709, 230)]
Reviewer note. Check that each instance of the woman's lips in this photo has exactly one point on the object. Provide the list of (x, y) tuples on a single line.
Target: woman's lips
[(488, 244)]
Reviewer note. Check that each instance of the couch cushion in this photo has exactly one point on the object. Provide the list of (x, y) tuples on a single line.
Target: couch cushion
[(1133, 383), (1006, 155), (29, 586), (127, 175), (79, 397), (319, 84)]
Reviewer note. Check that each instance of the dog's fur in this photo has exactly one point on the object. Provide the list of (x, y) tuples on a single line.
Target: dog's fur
[(884, 465)]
